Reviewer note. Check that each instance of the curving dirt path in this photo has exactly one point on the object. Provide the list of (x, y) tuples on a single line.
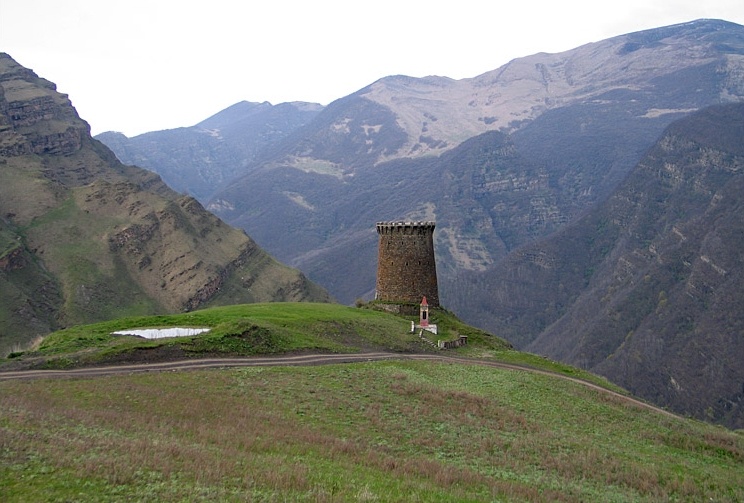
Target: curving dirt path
[(297, 360)]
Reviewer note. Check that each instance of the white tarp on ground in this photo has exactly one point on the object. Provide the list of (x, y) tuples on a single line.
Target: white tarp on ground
[(159, 333)]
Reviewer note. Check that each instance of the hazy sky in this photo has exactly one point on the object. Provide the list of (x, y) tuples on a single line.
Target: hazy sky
[(136, 66)]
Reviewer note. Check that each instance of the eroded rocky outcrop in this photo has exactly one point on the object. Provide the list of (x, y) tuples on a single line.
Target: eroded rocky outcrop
[(100, 239)]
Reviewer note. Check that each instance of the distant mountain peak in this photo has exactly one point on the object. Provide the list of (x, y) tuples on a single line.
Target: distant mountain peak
[(525, 88)]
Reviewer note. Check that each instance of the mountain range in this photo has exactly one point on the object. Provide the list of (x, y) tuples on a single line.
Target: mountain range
[(84, 237), (572, 126), (513, 165)]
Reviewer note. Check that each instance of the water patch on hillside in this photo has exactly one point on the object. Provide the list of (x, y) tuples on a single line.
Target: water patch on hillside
[(160, 333)]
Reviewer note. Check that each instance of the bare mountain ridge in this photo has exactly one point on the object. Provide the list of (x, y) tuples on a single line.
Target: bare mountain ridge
[(449, 111), (85, 238), (433, 114)]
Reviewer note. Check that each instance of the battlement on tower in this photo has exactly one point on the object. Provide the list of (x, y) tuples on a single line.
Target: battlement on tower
[(405, 227)]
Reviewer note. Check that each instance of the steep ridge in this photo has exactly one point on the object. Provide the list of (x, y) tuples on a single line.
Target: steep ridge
[(645, 289), (84, 237), (199, 159)]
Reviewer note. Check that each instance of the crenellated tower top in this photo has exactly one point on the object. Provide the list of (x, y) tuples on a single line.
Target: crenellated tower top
[(405, 227)]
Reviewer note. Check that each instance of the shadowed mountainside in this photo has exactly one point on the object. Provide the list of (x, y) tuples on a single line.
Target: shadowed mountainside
[(646, 288)]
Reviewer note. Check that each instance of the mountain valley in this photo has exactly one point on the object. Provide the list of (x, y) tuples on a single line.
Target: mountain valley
[(585, 205)]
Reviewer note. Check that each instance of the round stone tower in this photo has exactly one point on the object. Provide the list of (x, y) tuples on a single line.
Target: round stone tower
[(406, 270)]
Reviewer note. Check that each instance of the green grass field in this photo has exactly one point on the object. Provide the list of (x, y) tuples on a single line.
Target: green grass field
[(374, 431), (250, 329), (274, 328), (390, 431)]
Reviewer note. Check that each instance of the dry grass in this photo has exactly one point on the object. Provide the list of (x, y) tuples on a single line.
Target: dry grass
[(388, 431)]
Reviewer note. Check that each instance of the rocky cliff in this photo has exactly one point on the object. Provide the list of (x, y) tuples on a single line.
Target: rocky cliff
[(84, 237)]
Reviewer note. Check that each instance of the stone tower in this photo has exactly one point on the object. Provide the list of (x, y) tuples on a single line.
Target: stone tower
[(406, 270)]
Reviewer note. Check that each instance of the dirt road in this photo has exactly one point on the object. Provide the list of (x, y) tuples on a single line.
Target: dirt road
[(297, 360)]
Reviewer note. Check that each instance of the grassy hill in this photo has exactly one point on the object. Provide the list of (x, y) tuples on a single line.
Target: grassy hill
[(249, 329), (398, 430)]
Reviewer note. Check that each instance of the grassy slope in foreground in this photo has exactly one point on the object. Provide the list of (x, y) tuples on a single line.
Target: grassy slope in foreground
[(270, 328), (375, 431)]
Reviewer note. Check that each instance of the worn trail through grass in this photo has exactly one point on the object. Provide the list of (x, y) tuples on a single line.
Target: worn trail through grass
[(296, 360)]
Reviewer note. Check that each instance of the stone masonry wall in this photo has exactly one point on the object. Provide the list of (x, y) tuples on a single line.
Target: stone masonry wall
[(406, 268)]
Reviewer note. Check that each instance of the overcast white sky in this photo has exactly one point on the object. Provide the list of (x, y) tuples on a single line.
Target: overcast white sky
[(143, 65)]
